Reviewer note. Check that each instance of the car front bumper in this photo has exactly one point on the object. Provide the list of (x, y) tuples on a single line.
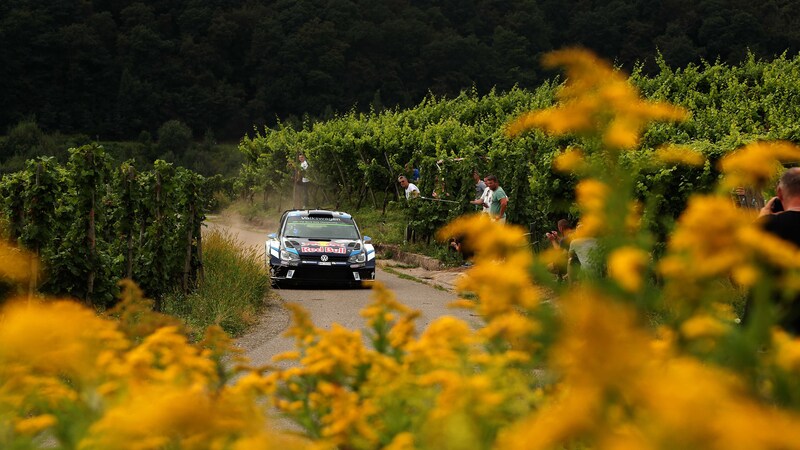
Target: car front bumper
[(321, 274)]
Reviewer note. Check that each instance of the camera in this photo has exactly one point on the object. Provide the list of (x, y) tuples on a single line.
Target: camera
[(777, 205)]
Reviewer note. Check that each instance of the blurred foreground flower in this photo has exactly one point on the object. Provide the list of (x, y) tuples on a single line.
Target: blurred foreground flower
[(595, 98), (757, 164)]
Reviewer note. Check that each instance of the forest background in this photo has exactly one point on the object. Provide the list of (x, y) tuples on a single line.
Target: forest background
[(119, 70)]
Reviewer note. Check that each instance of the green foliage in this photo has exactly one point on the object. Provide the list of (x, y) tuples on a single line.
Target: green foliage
[(175, 137), (357, 156), (93, 225)]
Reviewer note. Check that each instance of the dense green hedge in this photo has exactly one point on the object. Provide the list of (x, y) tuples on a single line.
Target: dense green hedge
[(92, 224), (354, 154)]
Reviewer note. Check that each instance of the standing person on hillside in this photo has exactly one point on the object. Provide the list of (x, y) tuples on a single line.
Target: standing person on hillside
[(783, 220), (412, 191), (497, 210), (302, 181)]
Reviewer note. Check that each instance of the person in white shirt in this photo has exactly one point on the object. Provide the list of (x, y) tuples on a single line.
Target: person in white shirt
[(412, 191), (302, 181), (485, 200)]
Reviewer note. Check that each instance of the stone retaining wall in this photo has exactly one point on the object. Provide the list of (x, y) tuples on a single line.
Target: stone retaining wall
[(426, 262)]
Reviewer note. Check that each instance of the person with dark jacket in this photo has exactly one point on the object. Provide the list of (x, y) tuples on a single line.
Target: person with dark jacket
[(780, 216)]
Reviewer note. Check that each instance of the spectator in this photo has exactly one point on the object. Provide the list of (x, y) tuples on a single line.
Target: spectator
[(413, 170), (748, 198), (560, 237), (457, 244), (781, 217), (302, 181), (483, 195), (582, 261), (411, 189), (497, 209)]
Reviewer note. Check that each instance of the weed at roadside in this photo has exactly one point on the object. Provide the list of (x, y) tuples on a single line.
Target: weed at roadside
[(232, 293)]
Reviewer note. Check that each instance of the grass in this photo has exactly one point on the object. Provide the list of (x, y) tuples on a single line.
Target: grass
[(233, 292)]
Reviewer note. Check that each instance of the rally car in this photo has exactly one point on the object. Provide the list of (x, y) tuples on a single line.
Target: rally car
[(313, 246)]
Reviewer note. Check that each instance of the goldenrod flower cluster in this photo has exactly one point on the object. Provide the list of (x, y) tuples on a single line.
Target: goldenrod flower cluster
[(678, 154), (757, 164), (73, 379), (596, 99)]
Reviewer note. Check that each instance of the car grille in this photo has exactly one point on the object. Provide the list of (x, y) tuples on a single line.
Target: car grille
[(331, 258), (328, 274)]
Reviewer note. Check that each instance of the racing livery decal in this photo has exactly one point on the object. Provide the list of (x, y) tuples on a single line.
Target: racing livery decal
[(325, 249)]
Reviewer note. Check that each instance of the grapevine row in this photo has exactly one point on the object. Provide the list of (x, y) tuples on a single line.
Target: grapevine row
[(93, 225), (358, 156)]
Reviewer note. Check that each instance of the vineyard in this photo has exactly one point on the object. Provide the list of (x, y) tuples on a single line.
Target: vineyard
[(92, 225), (357, 157), (649, 353)]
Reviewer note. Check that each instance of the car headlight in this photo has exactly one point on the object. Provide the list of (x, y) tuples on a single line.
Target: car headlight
[(289, 257), (360, 257)]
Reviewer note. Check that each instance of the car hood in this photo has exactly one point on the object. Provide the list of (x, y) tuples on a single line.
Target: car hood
[(312, 247)]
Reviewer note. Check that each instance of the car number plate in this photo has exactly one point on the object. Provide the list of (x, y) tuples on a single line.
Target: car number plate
[(321, 263)]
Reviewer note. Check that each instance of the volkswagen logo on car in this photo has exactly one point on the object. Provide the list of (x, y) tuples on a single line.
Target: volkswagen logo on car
[(323, 258)]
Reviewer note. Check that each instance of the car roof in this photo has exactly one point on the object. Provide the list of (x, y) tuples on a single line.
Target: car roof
[(316, 212)]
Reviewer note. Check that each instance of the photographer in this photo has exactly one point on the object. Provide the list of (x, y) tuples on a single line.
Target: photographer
[(781, 217)]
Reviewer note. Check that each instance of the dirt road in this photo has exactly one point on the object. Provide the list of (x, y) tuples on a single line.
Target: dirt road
[(328, 305)]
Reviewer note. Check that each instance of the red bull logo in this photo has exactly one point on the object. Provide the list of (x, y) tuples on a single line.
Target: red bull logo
[(324, 249)]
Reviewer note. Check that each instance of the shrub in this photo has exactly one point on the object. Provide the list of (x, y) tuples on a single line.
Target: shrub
[(174, 136)]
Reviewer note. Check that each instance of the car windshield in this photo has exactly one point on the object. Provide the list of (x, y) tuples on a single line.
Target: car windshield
[(322, 228)]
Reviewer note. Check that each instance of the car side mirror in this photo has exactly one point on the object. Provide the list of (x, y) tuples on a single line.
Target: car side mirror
[(367, 240), (273, 235)]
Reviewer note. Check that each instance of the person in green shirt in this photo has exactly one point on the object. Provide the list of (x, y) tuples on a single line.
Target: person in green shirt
[(497, 210)]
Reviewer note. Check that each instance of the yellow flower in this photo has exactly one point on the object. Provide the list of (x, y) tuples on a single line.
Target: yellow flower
[(625, 266), (292, 355), (16, 265), (302, 329), (403, 330), (572, 160), (601, 343), (591, 196), (756, 164), (402, 441), (595, 98), (349, 416), (702, 326), (746, 275), (787, 350), (489, 240), (511, 327), (60, 338), (152, 417), (680, 154), (705, 243), (34, 425), (442, 344)]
